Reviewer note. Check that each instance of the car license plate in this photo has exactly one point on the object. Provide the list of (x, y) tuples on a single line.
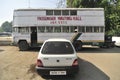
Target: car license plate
[(57, 72)]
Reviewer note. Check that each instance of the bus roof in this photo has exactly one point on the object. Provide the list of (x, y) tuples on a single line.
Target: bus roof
[(41, 9)]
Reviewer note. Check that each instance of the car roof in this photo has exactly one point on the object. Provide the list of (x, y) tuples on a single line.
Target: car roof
[(57, 39)]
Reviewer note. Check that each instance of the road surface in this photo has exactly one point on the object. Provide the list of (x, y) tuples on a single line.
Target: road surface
[(94, 64)]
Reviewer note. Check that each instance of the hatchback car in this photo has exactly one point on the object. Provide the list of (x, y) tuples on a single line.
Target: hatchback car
[(57, 57)]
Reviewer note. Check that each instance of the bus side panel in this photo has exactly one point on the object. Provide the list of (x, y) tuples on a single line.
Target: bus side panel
[(44, 36), (92, 37), (84, 37), (19, 36)]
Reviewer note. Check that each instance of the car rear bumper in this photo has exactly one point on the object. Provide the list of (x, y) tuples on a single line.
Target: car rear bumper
[(46, 70)]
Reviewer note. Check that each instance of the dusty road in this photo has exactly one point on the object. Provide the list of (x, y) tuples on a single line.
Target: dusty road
[(94, 64)]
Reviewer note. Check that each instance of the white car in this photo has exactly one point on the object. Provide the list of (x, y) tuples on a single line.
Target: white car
[(117, 40), (57, 57)]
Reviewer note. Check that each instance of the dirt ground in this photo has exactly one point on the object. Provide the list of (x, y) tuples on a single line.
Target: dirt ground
[(94, 64), (16, 65)]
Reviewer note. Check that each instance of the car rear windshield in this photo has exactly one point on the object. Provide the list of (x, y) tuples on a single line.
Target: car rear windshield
[(57, 48)]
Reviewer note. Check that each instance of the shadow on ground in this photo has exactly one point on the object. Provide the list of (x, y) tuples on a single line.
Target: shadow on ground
[(32, 70), (99, 50), (88, 50), (1, 50), (33, 49), (87, 71)]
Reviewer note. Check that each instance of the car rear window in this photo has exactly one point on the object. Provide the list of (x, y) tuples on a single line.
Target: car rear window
[(57, 48)]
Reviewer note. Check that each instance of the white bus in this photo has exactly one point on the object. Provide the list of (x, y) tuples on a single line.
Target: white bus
[(31, 27)]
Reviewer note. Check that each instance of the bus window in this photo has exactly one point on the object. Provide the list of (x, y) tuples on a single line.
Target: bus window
[(73, 28), (57, 29), (23, 29), (88, 29), (19, 29), (65, 12), (57, 12), (15, 29), (27, 29), (41, 29), (49, 29), (65, 28), (96, 29), (49, 12), (81, 29), (101, 29), (73, 12)]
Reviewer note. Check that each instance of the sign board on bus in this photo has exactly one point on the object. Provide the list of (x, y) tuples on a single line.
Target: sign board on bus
[(59, 19)]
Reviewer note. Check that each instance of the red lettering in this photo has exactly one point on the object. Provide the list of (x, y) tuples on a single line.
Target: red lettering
[(53, 22), (62, 22), (59, 19), (64, 18), (76, 18), (46, 18)]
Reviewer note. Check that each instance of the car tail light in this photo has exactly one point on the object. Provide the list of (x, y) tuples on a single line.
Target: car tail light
[(75, 63), (39, 63)]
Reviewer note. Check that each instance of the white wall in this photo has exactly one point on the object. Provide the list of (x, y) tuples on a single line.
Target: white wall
[(87, 18)]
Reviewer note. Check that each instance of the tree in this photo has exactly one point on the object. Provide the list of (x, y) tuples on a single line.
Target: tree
[(112, 12), (1, 29), (7, 26), (83, 3)]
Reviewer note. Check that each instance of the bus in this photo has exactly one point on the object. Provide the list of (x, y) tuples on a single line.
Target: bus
[(31, 27)]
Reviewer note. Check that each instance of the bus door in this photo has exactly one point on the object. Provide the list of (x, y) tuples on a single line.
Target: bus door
[(33, 36)]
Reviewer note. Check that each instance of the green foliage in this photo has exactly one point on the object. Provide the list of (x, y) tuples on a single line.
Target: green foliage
[(7, 26), (112, 12), (83, 3), (76, 3), (1, 29)]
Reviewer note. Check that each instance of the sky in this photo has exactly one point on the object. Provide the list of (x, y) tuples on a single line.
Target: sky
[(7, 7)]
